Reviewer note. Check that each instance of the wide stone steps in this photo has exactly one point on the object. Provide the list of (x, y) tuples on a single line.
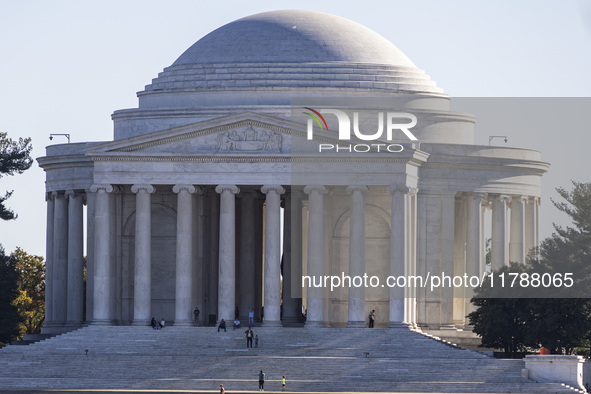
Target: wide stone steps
[(200, 358)]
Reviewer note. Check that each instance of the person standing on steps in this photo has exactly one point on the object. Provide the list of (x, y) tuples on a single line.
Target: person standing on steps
[(249, 336), (261, 381), (222, 390), (250, 317), (283, 383), (372, 318)]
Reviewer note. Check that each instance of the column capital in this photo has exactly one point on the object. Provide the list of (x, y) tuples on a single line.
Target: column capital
[(356, 188), (534, 200), (502, 198), (190, 188), (522, 199), (72, 193), (231, 188), (316, 188), (48, 196), (480, 196), (148, 188), (398, 189), (55, 194), (276, 188), (107, 188)]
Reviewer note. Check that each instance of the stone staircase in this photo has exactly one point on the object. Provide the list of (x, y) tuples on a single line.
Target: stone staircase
[(200, 358)]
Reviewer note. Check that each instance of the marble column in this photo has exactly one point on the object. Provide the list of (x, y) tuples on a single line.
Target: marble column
[(517, 233), (75, 259), (474, 245), (247, 254), (90, 211), (272, 279), (398, 254), (315, 299), (142, 283), (103, 313), (411, 252), (499, 252), (448, 201), (184, 255), (292, 257), (461, 206), (259, 255), (531, 225), (356, 313), (60, 259), (227, 253), (49, 263)]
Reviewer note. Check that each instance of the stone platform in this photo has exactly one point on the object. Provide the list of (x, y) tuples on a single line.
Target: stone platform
[(192, 359)]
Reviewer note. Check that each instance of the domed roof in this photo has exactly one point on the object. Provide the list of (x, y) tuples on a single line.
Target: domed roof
[(294, 36), (297, 52)]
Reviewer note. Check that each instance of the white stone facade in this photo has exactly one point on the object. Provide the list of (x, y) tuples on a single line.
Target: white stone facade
[(183, 206)]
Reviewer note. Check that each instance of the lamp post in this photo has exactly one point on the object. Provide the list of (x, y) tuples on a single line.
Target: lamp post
[(65, 135)]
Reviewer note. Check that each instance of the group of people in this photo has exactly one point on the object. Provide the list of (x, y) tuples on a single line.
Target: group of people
[(262, 381), (157, 326)]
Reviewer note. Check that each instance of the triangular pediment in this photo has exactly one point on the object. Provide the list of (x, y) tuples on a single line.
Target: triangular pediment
[(246, 133)]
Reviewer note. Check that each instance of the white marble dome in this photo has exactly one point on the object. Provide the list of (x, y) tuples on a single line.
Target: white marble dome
[(292, 50), (264, 62), (294, 37)]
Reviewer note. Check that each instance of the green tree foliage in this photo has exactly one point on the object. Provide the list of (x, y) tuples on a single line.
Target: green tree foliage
[(31, 287), (501, 322), (15, 158), (561, 323), (9, 316)]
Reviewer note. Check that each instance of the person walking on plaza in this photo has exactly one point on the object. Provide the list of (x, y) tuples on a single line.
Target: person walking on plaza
[(372, 318), (261, 381), (249, 336), (256, 341)]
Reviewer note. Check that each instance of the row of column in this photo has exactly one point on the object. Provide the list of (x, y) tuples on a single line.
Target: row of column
[(402, 244), (103, 279), (65, 261)]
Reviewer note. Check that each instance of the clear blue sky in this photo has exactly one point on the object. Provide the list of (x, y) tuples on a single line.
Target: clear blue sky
[(67, 65)]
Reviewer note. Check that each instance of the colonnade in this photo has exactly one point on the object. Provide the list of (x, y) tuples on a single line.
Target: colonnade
[(514, 231)]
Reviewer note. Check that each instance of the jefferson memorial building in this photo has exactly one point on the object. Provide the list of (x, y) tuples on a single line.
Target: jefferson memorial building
[(219, 191)]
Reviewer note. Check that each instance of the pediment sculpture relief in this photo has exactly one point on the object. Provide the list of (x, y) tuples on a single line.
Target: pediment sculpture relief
[(249, 139)]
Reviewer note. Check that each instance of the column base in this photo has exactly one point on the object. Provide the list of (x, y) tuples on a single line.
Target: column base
[(102, 322), (315, 324), (268, 323), (448, 326), (356, 324), (73, 324), (142, 322)]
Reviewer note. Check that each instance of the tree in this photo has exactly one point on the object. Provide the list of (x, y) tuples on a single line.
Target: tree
[(558, 318), (9, 316), (15, 157), (31, 291), (501, 322)]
